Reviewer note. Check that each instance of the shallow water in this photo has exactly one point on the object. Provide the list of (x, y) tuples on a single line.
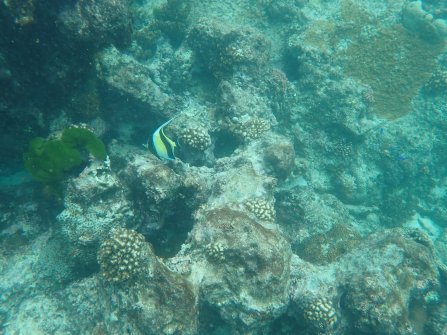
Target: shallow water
[(223, 167)]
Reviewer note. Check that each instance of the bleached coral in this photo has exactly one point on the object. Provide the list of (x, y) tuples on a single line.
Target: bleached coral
[(321, 313), (262, 209), (215, 252)]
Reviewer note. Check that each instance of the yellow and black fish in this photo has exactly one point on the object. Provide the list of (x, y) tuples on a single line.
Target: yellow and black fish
[(163, 147)]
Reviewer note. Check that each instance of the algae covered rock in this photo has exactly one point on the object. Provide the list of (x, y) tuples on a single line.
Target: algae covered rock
[(170, 19), (248, 277), (388, 292), (223, 49), (127, 76), (247, 111), (97, 22), (420, 21), (163, 200), (389, 283), (155, 301), (95, 203), (326, 247)]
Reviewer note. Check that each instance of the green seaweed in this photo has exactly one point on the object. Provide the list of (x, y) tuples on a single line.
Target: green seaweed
[(84, 138), (50, 160)]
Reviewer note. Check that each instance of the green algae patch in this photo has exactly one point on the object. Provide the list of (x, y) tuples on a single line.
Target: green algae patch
[(49, 160), (395, 64), (84, 138)]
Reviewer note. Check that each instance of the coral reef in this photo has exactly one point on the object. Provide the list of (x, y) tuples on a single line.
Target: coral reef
[(170, 19), (307, 194), (224, 50), (386, 299), (418, 20), (215, 252), (419, 62), (251, 129)]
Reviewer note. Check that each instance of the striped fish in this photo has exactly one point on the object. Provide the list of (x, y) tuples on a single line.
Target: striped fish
[(163, 146)]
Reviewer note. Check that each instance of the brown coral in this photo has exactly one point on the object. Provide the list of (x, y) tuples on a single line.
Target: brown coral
[(251, 129), (196, 137), (120, 257)]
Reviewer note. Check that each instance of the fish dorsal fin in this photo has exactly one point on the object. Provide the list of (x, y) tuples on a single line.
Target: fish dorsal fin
[(162, 145)]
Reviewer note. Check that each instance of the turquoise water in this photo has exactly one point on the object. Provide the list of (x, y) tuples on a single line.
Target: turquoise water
[(223, 167)]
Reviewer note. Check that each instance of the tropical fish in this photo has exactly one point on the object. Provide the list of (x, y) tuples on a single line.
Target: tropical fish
[(163, 146)]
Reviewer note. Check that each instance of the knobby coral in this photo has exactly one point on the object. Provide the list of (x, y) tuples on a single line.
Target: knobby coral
[(120, 257)]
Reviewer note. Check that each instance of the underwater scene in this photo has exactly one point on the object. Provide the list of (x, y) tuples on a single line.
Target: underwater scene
[(244, 167)]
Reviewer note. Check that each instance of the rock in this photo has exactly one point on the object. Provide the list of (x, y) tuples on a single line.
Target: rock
[(224, 50), (95, 202), (98, 22), (247, 286), (131, 78)]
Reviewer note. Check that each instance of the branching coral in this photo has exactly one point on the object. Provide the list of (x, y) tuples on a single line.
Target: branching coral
[(251, 129)]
